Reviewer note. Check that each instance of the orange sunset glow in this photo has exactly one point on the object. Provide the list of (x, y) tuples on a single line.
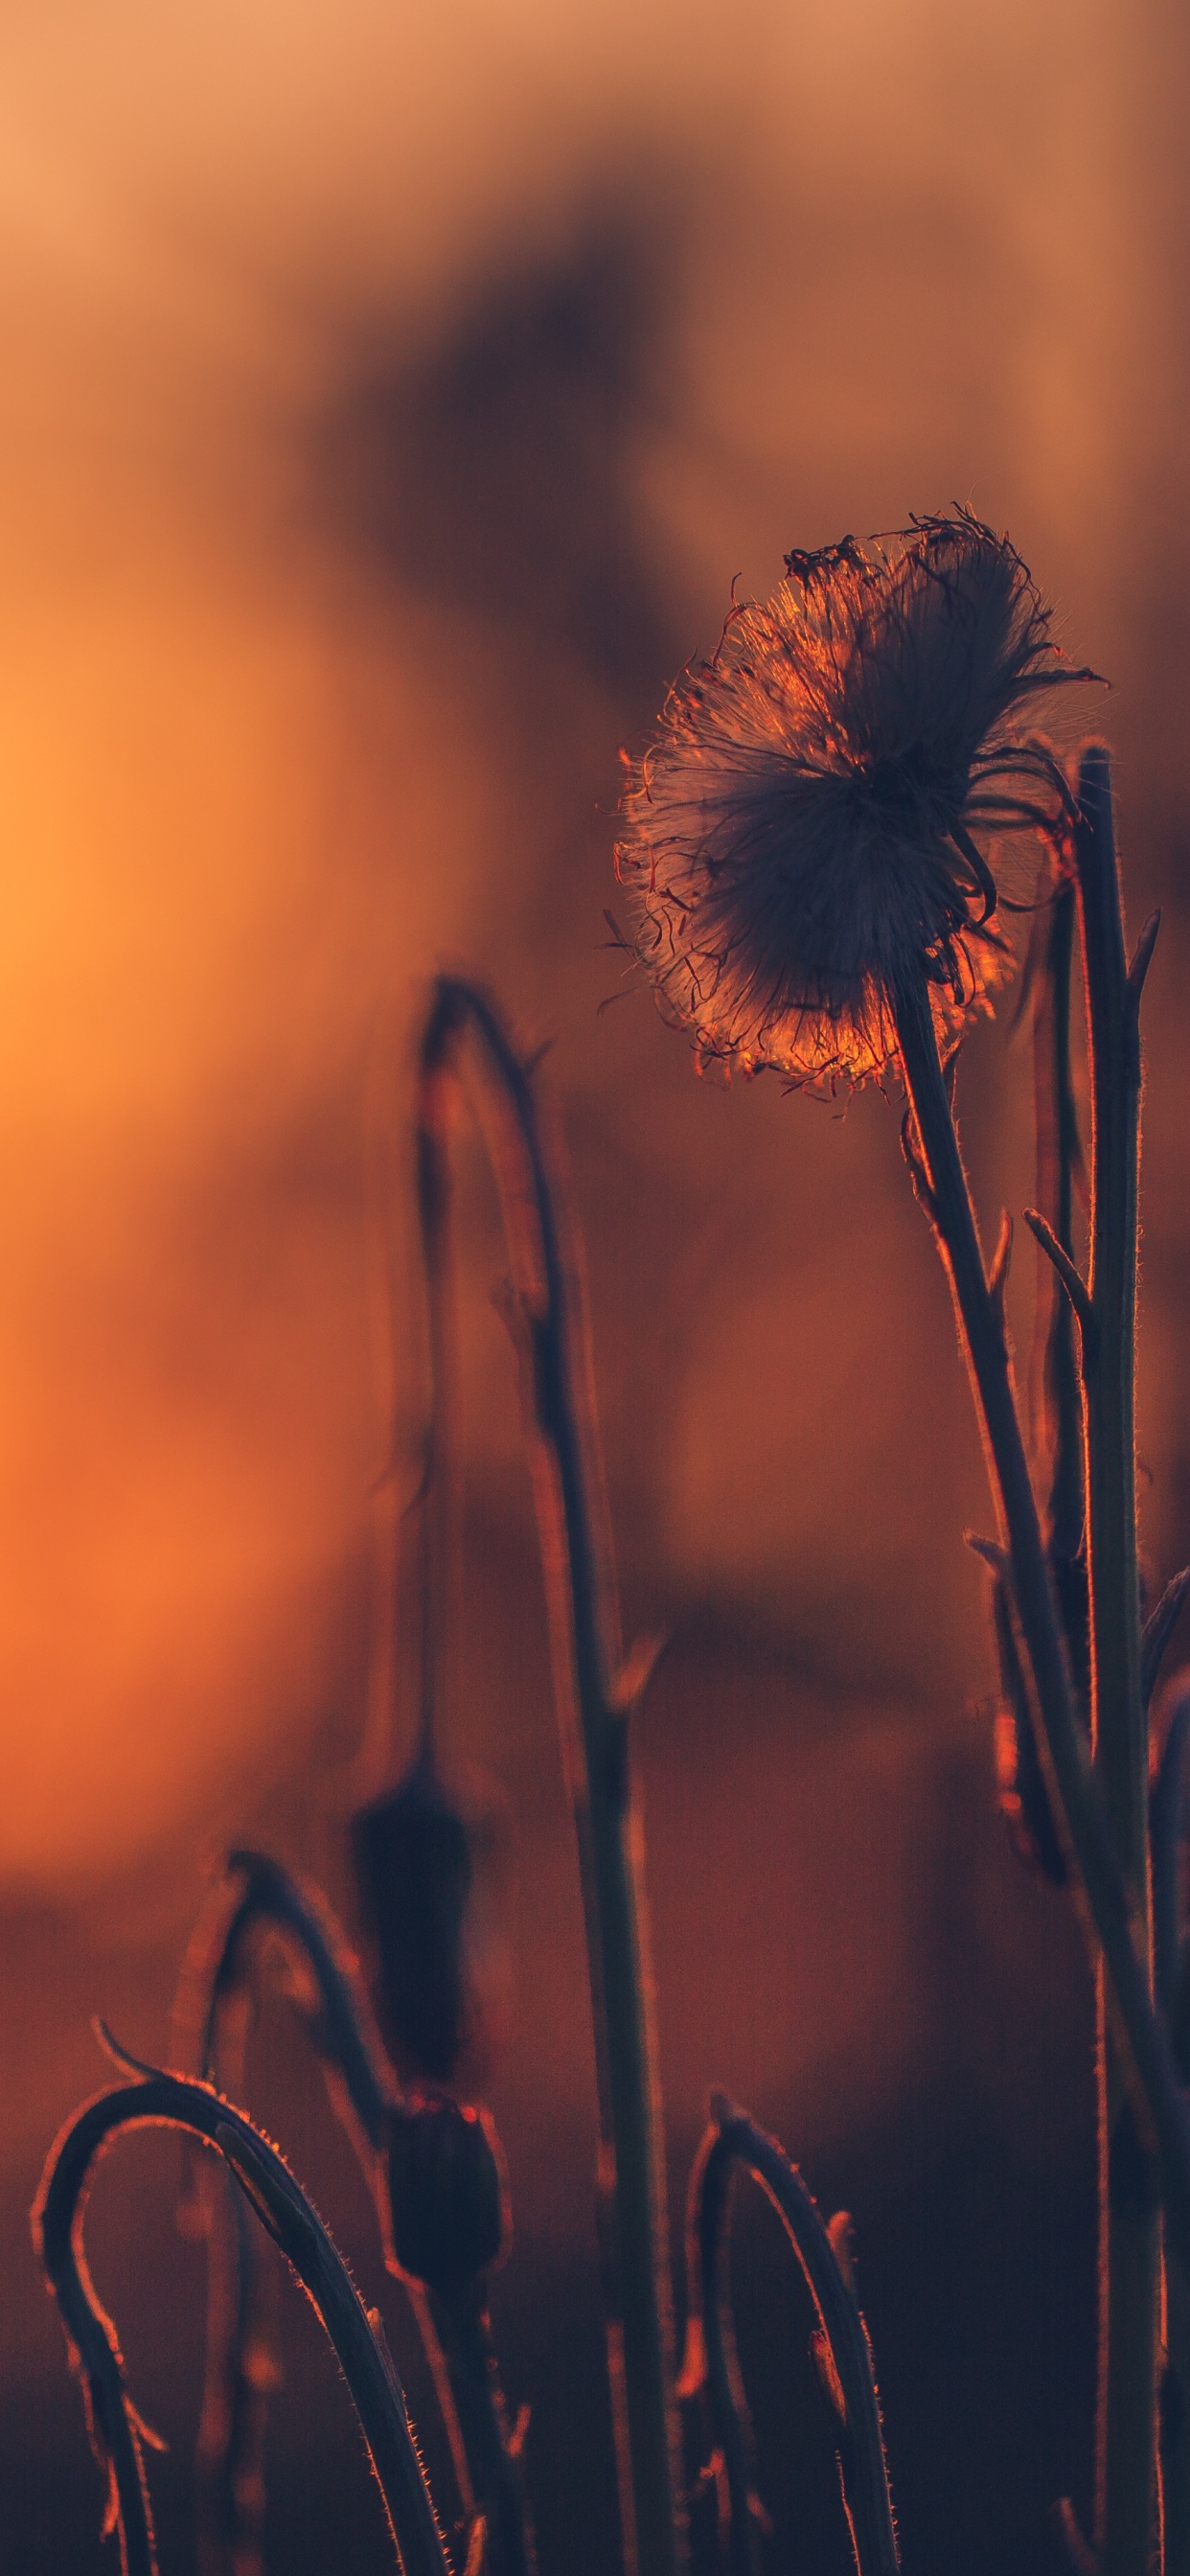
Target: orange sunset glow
[(390, 398)]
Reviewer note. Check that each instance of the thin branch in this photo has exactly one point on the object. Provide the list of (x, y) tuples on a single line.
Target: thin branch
[(1158, 1630), (1000, 1263), (917, 1170), (1142, 958), (1076, 2547), (1069, 1275), (1167, 1811)]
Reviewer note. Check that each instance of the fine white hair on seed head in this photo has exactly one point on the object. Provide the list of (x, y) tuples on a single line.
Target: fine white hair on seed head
[(828, 810)]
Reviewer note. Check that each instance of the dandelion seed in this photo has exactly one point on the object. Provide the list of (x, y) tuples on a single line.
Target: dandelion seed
[(810, 830)]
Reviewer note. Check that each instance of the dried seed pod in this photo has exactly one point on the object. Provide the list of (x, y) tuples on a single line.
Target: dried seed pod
[(446, 2192)]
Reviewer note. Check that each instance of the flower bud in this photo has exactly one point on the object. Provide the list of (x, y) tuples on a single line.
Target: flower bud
[(414, 1874), (446, 2192)]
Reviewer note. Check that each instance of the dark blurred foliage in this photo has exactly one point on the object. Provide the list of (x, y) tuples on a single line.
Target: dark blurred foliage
[(495, 472)]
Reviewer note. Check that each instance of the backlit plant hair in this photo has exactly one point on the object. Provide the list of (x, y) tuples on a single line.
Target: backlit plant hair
[(807, 835)]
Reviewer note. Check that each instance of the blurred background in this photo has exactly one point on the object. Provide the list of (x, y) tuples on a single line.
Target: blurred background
[(390, 397)]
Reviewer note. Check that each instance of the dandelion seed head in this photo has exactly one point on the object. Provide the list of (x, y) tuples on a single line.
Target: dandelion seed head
[(836, 803)]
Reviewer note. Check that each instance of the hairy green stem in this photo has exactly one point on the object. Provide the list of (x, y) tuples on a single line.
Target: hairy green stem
[(1167, 1825), (208, 2036), (463, 2330), (173, 2101), (260, 1893), (1109, 1922), (1130, 2252), (1058, 1407), (548, 1314)]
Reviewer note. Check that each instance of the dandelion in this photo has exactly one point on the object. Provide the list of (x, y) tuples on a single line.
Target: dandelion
[(820, 844), (809, 833)]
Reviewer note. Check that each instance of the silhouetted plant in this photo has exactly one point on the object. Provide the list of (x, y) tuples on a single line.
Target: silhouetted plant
[(117, 2431), (431, 2162), (435, 2174), (816, 843), (840, 2345), (819, 845)]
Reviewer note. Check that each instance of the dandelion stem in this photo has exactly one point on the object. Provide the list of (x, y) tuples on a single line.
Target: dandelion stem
[(1059, 1394), (1168, 1813), (547, 1312), (1129, 2201), (1108, 1916)]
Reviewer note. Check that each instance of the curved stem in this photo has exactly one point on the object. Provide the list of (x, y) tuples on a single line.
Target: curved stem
[(1108, 1917), (176, 2102), (1158, 1630), (585, 1642), (845, 2355), (241, 2368), (362, 2089), (710, 2363), (214, 1968)]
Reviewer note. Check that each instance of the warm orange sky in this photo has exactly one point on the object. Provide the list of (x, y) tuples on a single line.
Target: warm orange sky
[(301, 692)]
